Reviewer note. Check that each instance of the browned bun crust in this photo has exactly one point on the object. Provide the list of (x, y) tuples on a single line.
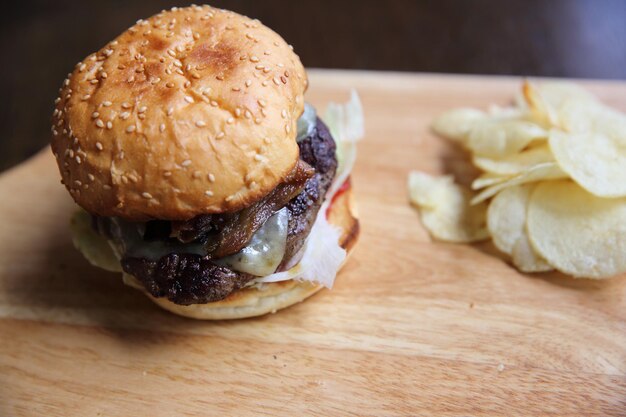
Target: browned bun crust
[(251, 302), (192, 111)]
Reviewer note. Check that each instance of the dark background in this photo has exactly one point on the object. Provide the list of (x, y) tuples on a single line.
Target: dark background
[(40, 41)]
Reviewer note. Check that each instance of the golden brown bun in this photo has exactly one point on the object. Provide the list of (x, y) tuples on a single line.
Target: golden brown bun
[(251, 302), (192, 111)]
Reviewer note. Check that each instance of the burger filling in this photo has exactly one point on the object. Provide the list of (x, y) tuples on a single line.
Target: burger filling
[(208, 257)]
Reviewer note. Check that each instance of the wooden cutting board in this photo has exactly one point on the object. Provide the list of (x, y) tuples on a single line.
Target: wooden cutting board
[(412, 327)]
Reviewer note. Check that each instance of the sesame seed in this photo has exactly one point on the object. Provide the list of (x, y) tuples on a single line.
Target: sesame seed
[(70, 153), (124, 115), (86, 96), (161, 127), (230, 121), (200, 123), (248, 83), (106, 187), (99, 123), (254, 59), (196, 174), (237, 112), (248, 114), (56, 100), (195, 75), (78, 183), (99, 146), (220, 77), (208, 193), (142, 109), (95, 115), (276, 81), (94, 81), (262, 102), (213, 103), (106, 103), (104, 75), (171, 52), (220, 135), (91, 177), (257, 120), (109, 125), (287, 128), (167, 174), (283, 114), (131, 128), (186, 162), (266, 70), (188, 99), (126, 105), (230, 198), (259, 67), (264, 83), (211, 177), (187, 84), (120, 155), (258, 157), (82, 67), (130, 79), (146, 195), (283, 79), (170, 111), (169, 84), (78, 160), (177, 63), (267, 140)]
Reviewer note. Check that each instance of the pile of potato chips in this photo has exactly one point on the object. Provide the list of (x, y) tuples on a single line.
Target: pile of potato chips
[(552, 194)]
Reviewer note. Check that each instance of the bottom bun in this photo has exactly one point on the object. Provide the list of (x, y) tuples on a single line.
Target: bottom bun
[(271, 297)]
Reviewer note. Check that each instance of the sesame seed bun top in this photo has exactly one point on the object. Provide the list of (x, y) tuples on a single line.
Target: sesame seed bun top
[(192, 111)]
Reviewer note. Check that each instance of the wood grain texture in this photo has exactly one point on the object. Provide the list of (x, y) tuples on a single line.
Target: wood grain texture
[(412, 327)]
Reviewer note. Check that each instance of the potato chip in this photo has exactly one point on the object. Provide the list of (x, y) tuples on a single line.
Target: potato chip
[(426, 190), (445, 210), (527, 153), (596, 162), (578, 116), (557, 93), (576, 232), (506, 216), (516, 163), (541, 111), (498, 138), (488, 179), (545, 171), (456, 124), (526, 259)]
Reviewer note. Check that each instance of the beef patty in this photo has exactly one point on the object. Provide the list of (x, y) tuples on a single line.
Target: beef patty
[(186, 278)]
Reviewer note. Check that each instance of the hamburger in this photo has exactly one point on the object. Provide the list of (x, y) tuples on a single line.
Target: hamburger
[(201, 173)]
